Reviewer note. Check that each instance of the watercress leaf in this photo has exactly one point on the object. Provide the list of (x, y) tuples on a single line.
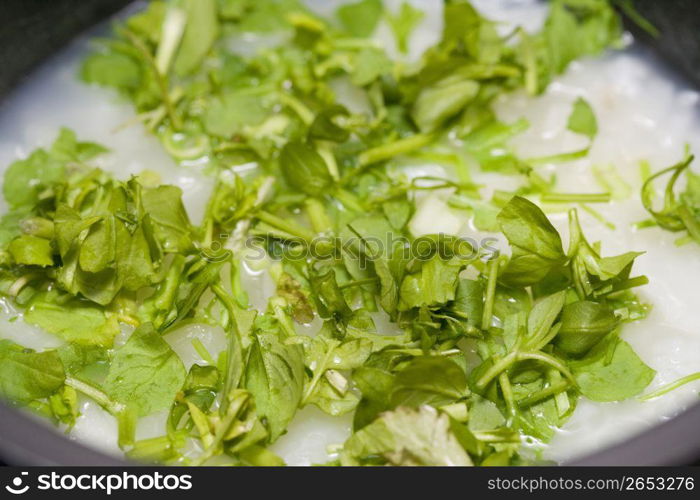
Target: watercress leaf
[(135, 256), (429, 380), (484, 415), (275, 377), (26, 179), (145, 373), (360, 18), (164, 207), (112, 69), (67, 148), (332, 401), (574, 30), (266, 16), (26, 375), (583, 325), (407, 436), (72, 319), (442, 100), (543, 314), (30, 250), (403, 23), (304, 169), (434, 285), (369, 64), (149, 21), (228, 115), (10, 225), (582, 119), (201, 30), (98, 248), (536, 244), (621, 377), (469, 301), (83, 361), (328, 297), (325, 128), (63, 405), (398, 213)]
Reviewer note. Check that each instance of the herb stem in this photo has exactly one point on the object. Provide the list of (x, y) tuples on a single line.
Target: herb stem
[(96, 395), (298, 107), (550, 360), (596, 215), (689, 221), (558, 158), (496, 369), (575, 197), (507, 392), (317, 215), (287, 226), (672, 386), (543, 394), (492, 268), (392, 149), (161, 79)]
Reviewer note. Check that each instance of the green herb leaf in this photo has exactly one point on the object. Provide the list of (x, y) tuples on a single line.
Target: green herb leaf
[(582, 119), (536, 244), (26, 375), (407, 437), (304, 169), (615, 379), (31, 251), (360, 18), (201, 30), (275, 376), (72, 319), (403, 24), (145, 373), (583, 325), (441, 101)]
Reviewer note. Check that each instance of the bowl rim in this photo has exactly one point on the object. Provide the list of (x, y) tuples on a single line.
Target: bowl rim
[(28, 441)]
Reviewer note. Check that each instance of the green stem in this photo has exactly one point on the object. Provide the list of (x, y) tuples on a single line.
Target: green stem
[(285, 321), (672, 386), (507, 391), (549, 360), (96, 395), (287, 226), (223, 428), (596, 215), (558, 158), (234, 358), (317, 215), (160, 78), (487, 316), (496, 369), (396, 148), (575, 197), (691, 224), (543, 394), (366, 281)]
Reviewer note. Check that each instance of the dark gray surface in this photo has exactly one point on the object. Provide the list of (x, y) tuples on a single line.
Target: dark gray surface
[(31, 30), (678, 22)]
